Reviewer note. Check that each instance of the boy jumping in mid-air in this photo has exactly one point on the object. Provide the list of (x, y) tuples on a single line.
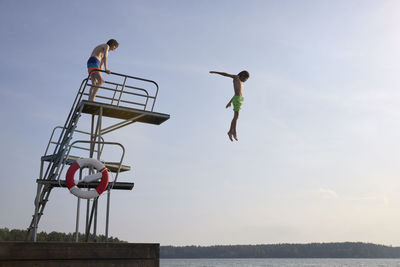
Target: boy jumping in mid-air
[(97, 59), (237, 99)]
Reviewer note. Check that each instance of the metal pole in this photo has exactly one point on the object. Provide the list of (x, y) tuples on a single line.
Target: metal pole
[(88, 201), (92, 138), (98, 134), (41, 170), (87, 216), (96, 201), (34, 234), (78, 208), (39, 187), (108, 213), (98, 157), (122, 90), (90, 221), (116, 88), (99, 121)]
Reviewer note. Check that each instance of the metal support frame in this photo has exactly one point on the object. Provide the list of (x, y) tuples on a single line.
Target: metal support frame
[(121, 124), (91, 213), (59, 157)]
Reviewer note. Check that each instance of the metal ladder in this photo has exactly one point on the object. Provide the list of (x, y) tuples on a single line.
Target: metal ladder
[(58, 158)]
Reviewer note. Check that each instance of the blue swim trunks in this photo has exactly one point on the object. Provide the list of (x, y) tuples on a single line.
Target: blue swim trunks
[(93, 64)]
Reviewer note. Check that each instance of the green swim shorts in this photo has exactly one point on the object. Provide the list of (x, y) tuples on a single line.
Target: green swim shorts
[(237, 102)]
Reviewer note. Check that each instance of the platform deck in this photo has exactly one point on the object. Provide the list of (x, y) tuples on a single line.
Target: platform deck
[(111, 166), (123, 113), (62, 183)]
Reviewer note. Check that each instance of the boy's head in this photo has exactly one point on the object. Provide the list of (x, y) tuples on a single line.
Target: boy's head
[(243, 75), (112, 43)]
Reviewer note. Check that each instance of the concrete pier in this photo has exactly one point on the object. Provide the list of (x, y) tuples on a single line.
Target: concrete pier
[(46, 254)]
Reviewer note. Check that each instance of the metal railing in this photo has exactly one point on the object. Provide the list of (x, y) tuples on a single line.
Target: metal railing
[(124, 90), (102, 143), (53, 142)]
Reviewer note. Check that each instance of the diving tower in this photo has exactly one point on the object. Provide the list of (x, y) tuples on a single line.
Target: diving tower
[(122, 100)]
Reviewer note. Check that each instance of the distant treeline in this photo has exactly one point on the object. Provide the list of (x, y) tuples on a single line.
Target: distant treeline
[(313, 250), (20, 235)]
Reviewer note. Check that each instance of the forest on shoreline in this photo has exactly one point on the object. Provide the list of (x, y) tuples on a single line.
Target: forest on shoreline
[(312, 250), (7, 235)]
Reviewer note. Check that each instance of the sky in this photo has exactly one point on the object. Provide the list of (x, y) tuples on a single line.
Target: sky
[(318, 150)]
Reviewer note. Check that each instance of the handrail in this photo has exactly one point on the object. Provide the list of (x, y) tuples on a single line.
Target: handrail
[(97, 142), (123, 101), (116, 90), (73, 108), (55, 143), (133, 87), (124, 75), (123, 86)]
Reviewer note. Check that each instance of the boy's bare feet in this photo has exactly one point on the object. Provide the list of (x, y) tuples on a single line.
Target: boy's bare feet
[(230, 136), (235, 136)]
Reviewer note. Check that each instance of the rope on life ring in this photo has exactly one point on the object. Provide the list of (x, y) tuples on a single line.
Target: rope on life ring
[(87, 162)]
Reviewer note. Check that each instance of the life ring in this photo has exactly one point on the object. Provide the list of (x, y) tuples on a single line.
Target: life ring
[(85, 162)]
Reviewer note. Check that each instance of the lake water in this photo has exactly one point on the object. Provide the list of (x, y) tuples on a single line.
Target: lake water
[(280, 262)]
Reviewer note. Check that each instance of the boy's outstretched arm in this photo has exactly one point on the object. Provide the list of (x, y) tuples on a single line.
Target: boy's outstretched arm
[(223, 74)]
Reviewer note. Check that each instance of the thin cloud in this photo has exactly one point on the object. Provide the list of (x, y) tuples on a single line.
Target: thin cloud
[(327, 193)]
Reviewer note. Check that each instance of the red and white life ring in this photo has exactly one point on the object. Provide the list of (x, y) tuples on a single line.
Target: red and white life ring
[(87, 162)]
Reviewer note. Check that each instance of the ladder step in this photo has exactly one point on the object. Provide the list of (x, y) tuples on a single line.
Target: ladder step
[(41, 202)]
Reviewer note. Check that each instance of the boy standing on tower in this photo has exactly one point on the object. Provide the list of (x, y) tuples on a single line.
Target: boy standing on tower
[(237, 99), (97, 59)]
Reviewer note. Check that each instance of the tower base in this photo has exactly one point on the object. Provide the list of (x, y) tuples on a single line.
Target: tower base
[(46, 254)]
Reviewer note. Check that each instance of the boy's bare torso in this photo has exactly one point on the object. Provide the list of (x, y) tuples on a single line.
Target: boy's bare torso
[(100, 51), (237, 86)]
